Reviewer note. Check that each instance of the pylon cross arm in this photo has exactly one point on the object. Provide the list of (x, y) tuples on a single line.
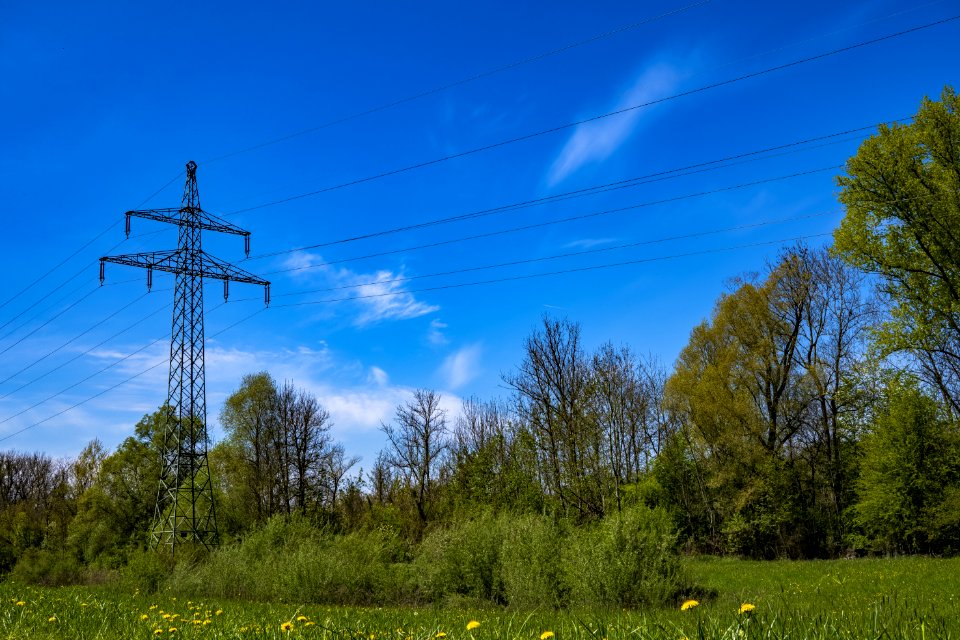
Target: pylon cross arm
[(201, 265), (202, 219)]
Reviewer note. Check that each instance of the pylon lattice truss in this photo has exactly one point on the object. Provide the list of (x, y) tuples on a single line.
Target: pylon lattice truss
[(185, 510)]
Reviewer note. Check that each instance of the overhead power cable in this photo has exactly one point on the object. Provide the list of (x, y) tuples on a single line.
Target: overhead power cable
[(553, 273), (555, 221), (110, 388), (29, 366), (36, 329), (602, 116), (560, 256), (84, 246), (463, 81), (656, 176)]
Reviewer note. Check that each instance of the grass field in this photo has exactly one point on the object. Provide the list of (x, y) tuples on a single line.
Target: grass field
[(862, 599)]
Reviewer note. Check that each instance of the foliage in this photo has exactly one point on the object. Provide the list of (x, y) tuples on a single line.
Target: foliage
[(910, 477), (901, 223)]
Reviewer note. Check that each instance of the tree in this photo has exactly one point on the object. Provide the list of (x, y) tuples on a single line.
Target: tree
[(910, 479), (278, 455), (418, 440), (553, 390), (902, 223)]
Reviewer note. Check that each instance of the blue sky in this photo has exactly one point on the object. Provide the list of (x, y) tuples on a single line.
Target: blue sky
[(101, 105)]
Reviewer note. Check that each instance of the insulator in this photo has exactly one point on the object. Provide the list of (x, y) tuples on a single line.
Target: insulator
[(246, 244), (266, 295), (127, 226), (149, 278), (101, 273), (226, 290)]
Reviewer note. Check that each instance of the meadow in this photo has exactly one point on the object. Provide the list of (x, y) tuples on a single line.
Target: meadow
[(867, 598)]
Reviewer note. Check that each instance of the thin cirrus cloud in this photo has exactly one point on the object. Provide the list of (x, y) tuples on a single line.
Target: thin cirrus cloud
[(379, 296), (461, 366), (598, 140)]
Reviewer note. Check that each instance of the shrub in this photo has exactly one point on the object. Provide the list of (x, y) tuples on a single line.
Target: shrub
[(628, 559)]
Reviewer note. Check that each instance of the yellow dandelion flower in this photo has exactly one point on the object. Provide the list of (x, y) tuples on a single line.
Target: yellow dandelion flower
[(308, 623), (197, 621), (158, 632), (172, 630), (219, 611), (286, 626), (473, 624), (689, 604), (152, 607), (440, 634), (144, 616), (546, 635), (52, 619), (746, 607), (166, 616), (21, 603), (301, 618)]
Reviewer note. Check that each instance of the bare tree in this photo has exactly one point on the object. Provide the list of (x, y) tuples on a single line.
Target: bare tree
[(418, 440)]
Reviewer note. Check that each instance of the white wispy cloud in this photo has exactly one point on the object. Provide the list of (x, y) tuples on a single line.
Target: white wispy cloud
[(378, 295), (596, 141), (461, 366), (588, 243), (435, 335)]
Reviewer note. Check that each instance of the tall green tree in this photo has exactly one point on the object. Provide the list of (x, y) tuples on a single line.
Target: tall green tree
[(902, 223), (909, 483)]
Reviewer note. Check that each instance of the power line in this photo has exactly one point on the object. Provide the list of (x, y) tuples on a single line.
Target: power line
[(70, 341), (569, 254), (463, 81), (553, 273), (582, 216), (62, 311), (88, 351), (569, 125), (111, 388), (665, 174), (78, 251)]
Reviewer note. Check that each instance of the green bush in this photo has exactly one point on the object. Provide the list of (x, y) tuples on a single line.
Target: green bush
[(628, 559), (290, 560), (47, 568), (462, 560), (532, 573)]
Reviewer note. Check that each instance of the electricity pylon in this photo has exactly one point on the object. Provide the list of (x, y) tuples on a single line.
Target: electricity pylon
[(185, 511)]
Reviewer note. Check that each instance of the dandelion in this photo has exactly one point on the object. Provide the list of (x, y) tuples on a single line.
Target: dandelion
[(219, 611), (746, 607), (301, 618), (440, 634), (144, 616), (152, 607), (158, 632), (52, 619), (286, 626), (308, 623), (21, 603), (689, 604), (197, 621), (546, 635), (172, 630), (207, 621), (473, 624)]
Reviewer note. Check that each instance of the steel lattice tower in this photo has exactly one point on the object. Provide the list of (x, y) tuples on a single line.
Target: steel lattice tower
[(185, 510)]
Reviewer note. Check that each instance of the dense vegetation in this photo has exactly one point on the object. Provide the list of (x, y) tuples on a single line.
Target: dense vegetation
[(889, 598), (813, 415)]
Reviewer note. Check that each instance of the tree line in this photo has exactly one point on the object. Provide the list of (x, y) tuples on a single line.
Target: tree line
[(813, 414)]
